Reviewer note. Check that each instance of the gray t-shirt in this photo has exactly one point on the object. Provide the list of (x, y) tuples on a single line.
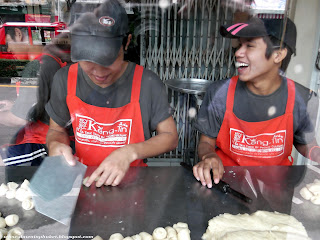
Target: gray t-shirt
[(28, 94), (256, 108), (153, 97)]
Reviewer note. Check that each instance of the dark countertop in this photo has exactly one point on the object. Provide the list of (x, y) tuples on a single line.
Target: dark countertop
[(162, 196)]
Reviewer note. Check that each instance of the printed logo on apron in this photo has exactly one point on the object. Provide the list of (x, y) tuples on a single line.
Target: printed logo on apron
[(265, 145), (91, 132)]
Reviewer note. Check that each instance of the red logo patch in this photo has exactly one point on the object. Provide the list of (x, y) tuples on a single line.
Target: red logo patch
[(107, 21)]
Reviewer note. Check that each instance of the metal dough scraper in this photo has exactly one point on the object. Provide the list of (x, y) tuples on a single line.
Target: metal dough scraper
[(55, 188)]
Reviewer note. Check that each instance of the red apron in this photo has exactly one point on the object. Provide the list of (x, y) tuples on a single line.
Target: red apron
[(98, 130), (241, 143)]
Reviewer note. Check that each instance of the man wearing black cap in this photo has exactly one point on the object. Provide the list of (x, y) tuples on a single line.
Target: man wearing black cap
[(253, 119), (112, 105)]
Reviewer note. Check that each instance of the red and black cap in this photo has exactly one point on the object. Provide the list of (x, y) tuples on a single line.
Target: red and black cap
[(256, 27)]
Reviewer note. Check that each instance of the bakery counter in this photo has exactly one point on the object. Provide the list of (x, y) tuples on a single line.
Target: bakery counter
[(155, 197)]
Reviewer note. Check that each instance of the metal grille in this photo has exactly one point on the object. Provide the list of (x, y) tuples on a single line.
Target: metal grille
[(183, 41)]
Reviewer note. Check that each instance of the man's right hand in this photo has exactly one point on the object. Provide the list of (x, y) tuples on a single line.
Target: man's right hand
[(57, 148), (201, 171), (209, 161)]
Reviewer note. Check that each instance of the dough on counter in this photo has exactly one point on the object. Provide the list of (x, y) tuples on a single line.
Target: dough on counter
[(258, 235), (184, 234), (315, 200), (171, 232), (260, 221), (305, 193), (116, 236), (3, 232), (12, 220), (128, 238), (3, 223), (145, 236), (12, 185), (27, 204), (3, 189), (312, 192), (14, 233), (11, 194), (97, 238), (136, 237), (25, 184), (159, 233)]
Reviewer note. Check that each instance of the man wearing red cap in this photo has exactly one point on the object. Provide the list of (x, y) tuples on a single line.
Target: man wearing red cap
[(255, 118), (112, 105)]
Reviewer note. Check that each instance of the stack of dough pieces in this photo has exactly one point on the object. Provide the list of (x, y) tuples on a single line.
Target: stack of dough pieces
[(7, 222), (312, 192), (179, 231), (12, 190), (259, 225)]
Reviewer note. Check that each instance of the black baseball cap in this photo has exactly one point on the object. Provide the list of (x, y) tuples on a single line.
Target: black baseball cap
[(256, 27), (97, 37)]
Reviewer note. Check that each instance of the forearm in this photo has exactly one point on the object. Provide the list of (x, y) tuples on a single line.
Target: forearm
[(7, 118), (159, 144), (55, 137), (310, 150), (205, 149)]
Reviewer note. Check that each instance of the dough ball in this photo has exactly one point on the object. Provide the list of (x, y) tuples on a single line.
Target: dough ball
[(314, 188), (116, 236), (184, 234), (3, 233), (12, 220), (21, 194), (136, 237), (12, 185), (145, 236), (10, 194), (85, 181), (128, 238), (305, 193), (171, 232), (315, 200), (159, 233), (14, 233), (25, 184), (27, 204), (97, 238), (3, 189), (3, 223), (181, 225)]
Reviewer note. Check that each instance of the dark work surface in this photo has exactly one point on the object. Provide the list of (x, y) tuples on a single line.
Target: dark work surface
[(162, 196)]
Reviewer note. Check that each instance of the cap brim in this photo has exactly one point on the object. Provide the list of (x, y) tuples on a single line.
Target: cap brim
[(101, 50), (251, 29)]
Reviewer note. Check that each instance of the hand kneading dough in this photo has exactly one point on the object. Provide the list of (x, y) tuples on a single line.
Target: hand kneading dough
[(12, 220), (116, 236), (252, 225), (159, 233), (145, 236)]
